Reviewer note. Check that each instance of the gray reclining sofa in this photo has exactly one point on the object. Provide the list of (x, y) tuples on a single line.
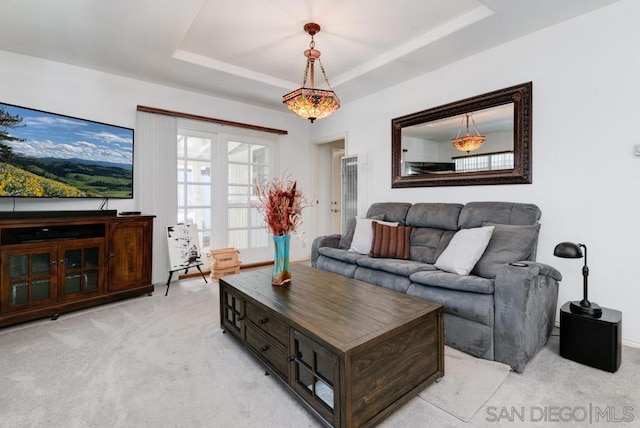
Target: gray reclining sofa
[(500, 311)]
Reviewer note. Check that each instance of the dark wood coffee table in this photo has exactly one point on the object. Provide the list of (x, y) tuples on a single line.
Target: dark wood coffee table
[(351, 352)]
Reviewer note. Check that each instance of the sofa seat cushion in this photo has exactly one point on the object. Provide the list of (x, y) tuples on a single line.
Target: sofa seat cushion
[(342, 255), (394, 266), (382, 279), (452, 281), (336, 266), (472, 306)]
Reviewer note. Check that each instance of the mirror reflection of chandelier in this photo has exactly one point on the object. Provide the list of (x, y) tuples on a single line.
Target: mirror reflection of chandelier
[(310, 103), (469, 142)]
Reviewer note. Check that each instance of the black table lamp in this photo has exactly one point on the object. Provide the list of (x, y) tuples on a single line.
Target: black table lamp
[(569, 250)]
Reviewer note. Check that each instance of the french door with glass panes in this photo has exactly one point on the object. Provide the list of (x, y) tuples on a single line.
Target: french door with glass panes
[(216, 178), (195, 184)]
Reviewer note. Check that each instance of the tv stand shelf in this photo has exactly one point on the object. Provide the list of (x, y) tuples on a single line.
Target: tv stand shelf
[(22, 235), (52, 264)]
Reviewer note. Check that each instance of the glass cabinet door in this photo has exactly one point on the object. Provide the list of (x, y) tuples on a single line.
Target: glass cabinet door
[(315, 374), (232, 312), (80, 272), (29, 280)]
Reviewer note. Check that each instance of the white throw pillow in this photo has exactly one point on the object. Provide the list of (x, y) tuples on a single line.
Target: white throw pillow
[(464, 250), (363, 235)]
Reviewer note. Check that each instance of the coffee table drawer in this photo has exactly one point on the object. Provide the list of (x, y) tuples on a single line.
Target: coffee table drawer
[(263, 320), (270, 352)]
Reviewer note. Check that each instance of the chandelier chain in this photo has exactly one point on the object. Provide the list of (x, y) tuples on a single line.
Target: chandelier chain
[(306, 72), (325, 75)]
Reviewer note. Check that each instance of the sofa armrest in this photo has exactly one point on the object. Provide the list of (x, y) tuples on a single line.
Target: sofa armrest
[(525, 308), (323, 241)]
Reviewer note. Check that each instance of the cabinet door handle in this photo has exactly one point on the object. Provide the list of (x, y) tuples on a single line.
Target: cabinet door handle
[(239, 318), (262, 321), (291, 359), (111, 255), (53, 263), (265, 348), (61, 262)]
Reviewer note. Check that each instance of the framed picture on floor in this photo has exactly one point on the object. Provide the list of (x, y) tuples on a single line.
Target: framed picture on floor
[(184, 249)]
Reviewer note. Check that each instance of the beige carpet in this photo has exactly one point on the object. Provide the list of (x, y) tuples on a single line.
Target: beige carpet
[(467, 385), (163, 362)]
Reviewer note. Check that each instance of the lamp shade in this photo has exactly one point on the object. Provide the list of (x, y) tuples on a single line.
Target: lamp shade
[(568, 250), (469, 142), (312, 104)]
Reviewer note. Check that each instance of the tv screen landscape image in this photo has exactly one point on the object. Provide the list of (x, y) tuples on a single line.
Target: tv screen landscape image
[(48, 155)]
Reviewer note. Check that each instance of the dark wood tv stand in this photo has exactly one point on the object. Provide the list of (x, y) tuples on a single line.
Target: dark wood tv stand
[(51, 264)]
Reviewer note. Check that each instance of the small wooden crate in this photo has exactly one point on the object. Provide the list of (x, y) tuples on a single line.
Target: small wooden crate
[(224, 262), (218, 273), (224, 258)]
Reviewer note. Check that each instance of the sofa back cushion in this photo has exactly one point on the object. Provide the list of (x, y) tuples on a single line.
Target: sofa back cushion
[(363, 235), (464, 250), (392, 211), (438, 216), (347, 234), (508, 244), (428, 243), (474, 214), (434, 224)]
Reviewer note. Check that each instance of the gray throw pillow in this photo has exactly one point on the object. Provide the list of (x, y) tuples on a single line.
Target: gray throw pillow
[(508, 244), (347, 235)]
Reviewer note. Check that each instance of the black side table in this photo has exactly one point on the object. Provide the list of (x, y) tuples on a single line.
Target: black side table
[(595, 342)]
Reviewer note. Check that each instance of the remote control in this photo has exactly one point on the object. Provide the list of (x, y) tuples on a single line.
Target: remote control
[(130, 213)]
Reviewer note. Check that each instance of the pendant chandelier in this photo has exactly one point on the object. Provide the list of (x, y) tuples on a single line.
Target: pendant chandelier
[(469, 142), (311, 103)]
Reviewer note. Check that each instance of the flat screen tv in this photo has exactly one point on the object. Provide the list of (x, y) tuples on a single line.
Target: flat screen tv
[(48, 155)]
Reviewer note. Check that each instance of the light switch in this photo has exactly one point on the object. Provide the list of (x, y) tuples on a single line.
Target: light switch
[(636, 150)]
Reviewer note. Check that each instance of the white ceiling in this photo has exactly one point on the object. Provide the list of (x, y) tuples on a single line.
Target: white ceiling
[(252, 50)]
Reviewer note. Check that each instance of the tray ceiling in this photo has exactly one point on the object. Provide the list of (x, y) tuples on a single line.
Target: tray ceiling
[(252, 50)]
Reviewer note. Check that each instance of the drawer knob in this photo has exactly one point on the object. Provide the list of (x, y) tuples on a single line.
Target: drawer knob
[(262, 321), (265, 348)]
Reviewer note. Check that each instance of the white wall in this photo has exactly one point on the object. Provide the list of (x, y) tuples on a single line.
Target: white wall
[(88, 94), (586, 88)]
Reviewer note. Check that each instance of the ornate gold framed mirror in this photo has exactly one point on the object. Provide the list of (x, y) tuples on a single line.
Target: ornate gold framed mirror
[(481, 140)]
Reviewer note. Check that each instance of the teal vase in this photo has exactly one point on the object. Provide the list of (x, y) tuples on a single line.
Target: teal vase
[(281, 268)]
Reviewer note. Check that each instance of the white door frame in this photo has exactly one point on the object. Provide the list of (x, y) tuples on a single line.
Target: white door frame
[(319, 209)]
